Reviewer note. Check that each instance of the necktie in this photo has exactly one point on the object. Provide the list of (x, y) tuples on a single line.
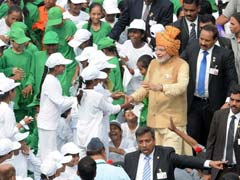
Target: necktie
[(192, 35), (230, 141), (147, 169), (146, 12), (202, 74)]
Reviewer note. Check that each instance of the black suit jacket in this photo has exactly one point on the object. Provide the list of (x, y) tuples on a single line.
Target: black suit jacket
[(184, 34), (217, 138), (164, 158), (225, 42), (161, 11), (219, 85)]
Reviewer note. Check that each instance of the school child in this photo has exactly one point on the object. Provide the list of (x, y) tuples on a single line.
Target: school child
[(13, 14), (52, 104), (8, 125), (91, 108), (72, 150), (29, 45), (74, 12), (81, 39), (65, 30), (142, 64), (17, 58), (132, 49), (24, 159), (7, 147), (98, 28), (119, 145), (61, 162), (110, 10)]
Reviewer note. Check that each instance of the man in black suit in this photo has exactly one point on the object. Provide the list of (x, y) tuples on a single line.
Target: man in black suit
[(210, 19), (211, 74), (189, 24), (151, 11), (224, 136), (158, 162)]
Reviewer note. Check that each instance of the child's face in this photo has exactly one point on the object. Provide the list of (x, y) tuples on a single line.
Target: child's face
[(130, 116), (95, 14), (110, 17), (135, 35), (75, 8), (13, 17), (142, 70), (74, 161), (115, 132), (18, 47)]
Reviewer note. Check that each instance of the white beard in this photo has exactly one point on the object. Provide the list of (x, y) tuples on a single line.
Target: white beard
[(163, 59)]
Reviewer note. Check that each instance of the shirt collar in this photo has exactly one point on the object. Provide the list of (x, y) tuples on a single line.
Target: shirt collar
[(231, 114), (209, 50), (189, 22)]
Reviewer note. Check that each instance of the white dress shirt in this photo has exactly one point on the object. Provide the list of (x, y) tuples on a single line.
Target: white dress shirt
[(144, 8), (190, 27), (141, 163), (199, 60), (236, 121)]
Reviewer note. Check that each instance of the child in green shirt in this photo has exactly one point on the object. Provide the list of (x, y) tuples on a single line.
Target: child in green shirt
[(142, 64), (98, 28)]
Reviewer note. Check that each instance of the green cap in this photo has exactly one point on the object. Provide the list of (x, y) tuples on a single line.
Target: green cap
[(50, 37), (20, 25), (105, 43), (98, 1), (55, 16), (18, 36)]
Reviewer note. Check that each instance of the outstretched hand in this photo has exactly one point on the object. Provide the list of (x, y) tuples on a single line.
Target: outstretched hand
[(217, 164)]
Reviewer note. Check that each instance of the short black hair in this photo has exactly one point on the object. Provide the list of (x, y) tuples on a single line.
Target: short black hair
[(207, 18), (95, 152), (205, 7), (145, 60), (14, 8), (236, 16), (143, 130), (211, 28), (87, 168), (235, 89), (196, 2)]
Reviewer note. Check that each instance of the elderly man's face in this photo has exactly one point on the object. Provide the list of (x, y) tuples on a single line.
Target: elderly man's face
[(162, 55), (148, 2)]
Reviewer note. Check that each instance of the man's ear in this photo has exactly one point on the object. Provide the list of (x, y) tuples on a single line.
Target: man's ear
[(78, 173)]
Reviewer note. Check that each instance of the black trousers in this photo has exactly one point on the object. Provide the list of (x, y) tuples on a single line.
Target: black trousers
[(199, 120)]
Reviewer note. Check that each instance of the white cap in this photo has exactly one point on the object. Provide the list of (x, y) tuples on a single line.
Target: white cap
[(57, 157), (91, 72), (48, 168), (2, 43), (137, 109), (80, 36), (78, 1), (6, 84), (86, 53), (6, 146), (111, 6), (70, 148), (156, 28), (21, 136), (100, 60), (138, 24), (100, 65), (57, 59), (98, 56)]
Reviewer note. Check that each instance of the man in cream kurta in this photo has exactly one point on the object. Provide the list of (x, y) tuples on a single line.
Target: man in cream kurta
[(165, 85)]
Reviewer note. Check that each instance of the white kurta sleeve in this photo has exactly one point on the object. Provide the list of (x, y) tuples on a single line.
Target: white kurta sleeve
[(107, 107), (8, 128)]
